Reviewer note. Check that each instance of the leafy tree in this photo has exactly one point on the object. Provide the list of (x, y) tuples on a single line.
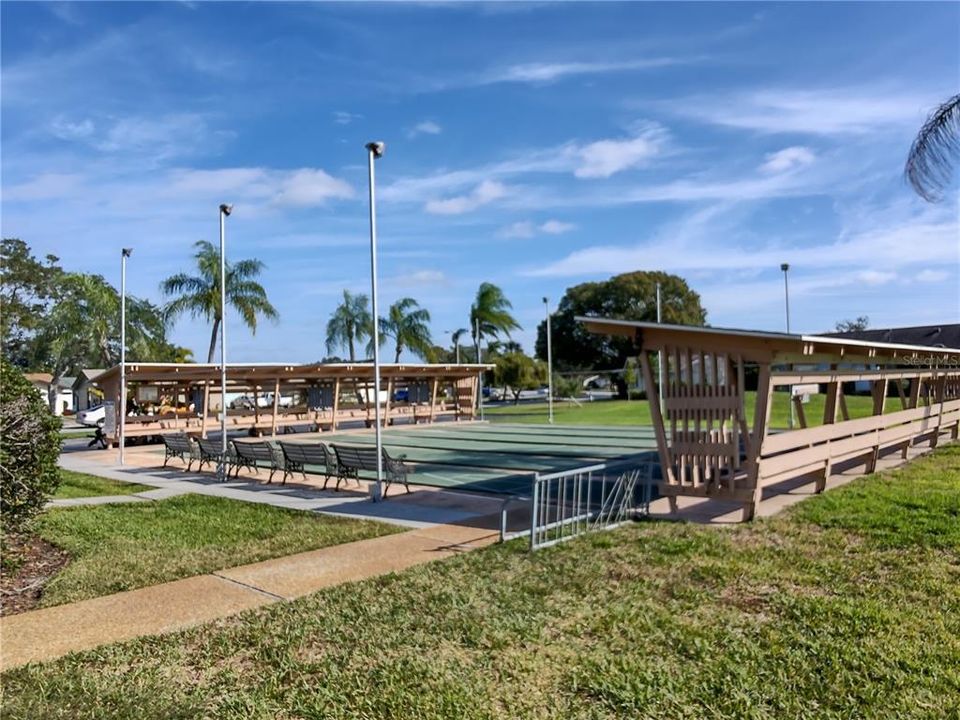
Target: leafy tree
[(861, 323), (491, 310), (934, 153), (631, 296), (407, 324), (28, 289), (29, 447), (517, 372), (199, 295), (350, 323)]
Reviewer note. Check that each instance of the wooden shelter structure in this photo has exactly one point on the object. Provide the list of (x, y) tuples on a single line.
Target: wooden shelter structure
[(175, 397), (709, 447)]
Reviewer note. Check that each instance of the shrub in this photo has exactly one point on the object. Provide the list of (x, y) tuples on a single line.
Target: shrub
[(29, 448)]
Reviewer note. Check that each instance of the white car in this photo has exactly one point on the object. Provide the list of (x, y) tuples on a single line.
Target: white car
[(92, 417)]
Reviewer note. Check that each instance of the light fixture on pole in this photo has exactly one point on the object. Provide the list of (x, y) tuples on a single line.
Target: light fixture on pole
[(225, 210), (785, 268), (374, 152), (124, 254), (546, 308)]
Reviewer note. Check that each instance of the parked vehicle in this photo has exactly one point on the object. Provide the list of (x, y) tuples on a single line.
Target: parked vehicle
[(92, 417)]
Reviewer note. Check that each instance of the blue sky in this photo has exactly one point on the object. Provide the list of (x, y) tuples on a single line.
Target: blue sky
[(535, 146)]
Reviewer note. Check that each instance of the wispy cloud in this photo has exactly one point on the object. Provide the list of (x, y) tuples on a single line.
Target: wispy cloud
[(310, 186), (529, 229), (604, 158), (546, 72), (829, 111), (342, 117), (485, 192), (788, 159), (427, 127)]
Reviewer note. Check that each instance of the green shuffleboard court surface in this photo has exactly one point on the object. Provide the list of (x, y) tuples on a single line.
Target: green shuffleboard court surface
[(501, 458)]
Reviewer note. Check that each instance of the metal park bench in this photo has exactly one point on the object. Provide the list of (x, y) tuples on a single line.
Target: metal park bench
[(353, 458), (212, 451), (179, 446), (250, 454), (297, 456)]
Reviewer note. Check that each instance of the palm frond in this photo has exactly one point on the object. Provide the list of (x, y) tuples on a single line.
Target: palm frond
[(933, 156)]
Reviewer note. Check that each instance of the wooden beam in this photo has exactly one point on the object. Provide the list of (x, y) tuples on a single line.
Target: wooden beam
[(276, 408), (433, 398), (386, 405), (666, 461), (336, 404), (206, 409), (761, 419)]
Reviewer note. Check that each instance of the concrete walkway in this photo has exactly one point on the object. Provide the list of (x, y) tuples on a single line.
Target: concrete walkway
[(41, 635)]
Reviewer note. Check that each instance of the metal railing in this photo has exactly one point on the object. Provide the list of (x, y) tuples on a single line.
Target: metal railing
[(564, 505)]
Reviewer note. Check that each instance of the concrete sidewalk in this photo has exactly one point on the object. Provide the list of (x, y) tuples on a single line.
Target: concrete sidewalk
[(46, 634)]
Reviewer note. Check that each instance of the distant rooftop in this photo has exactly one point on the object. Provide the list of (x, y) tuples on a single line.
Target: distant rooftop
[(927, 335)]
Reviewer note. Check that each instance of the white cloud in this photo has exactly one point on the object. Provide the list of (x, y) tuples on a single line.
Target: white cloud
[(341, 117), (604, 158), (66, 130), (427, 127), (528, 229), (485, 192), (47, 186), (544, 72), (311, 186), (418, 278), (788, 159), (556, 227), (875, 277), (830, 111), (932, 276)]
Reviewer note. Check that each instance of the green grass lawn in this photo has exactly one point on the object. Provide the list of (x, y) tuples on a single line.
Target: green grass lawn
[(845, 606), (77, 485), (637, 412), (122, 547)]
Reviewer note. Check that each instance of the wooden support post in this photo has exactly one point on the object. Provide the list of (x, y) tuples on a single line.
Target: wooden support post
[(276, 408), (336, 405), (761, 420), (433, 398), (879, 391), (830, 403), (844, 413), (256, 407), (666, 462), (914, 400), (386, 405), (903, 398), (798, 406), (206, 409)]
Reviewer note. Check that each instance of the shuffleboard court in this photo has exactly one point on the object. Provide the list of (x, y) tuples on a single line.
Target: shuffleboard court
[(500, 459)]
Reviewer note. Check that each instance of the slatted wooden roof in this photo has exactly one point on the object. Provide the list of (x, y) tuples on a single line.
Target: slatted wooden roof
[(257, 373), (771, 346)]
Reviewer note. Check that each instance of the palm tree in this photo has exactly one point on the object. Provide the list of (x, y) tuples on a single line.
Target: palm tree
[(934, 152), (350, 323), (200, 294), (407, 324), (457, 336), (491, 310)]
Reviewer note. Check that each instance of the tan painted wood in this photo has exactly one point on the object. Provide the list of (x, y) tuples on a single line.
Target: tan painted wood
[(276, 408), (386, 405), (666, 461), (206, 409), (433, 398), (798, 408)]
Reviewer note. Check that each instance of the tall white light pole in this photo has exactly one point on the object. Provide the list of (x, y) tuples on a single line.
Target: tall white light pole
[(546, 308), (785, 268), (225, 210), (374, 151), (124, 254)]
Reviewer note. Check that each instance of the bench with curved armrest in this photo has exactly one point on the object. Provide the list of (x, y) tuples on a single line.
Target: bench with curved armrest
[(212, 451), (354, 458), (250, 454), (180, 446), (297, 456)]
